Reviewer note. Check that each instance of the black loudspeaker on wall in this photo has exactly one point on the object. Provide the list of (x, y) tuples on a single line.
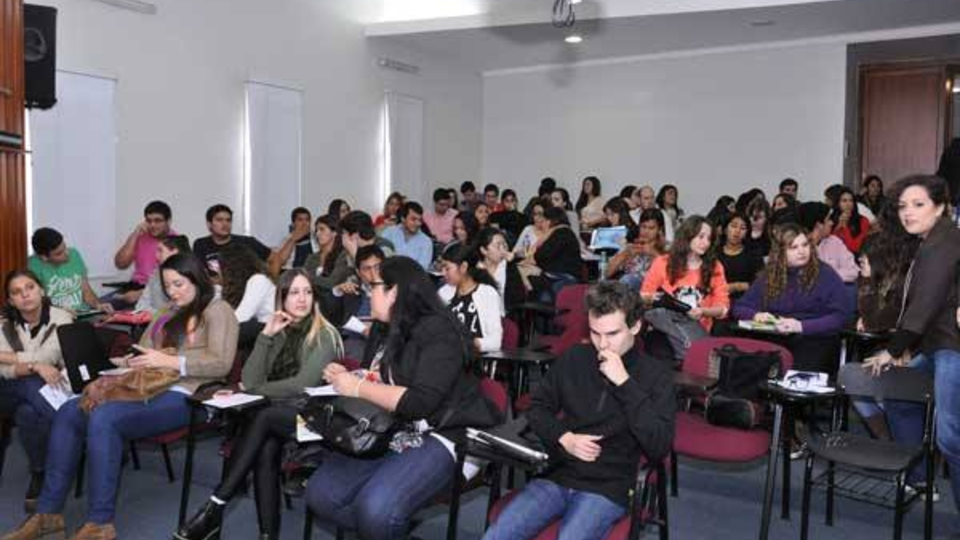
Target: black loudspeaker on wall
[(40, 56)]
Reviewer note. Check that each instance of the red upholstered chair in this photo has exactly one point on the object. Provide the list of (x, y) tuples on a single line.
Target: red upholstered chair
[(647, 506), (698, 439), (511, 334), (572, 320)]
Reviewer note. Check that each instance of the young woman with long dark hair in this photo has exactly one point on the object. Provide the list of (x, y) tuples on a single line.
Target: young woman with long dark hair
[(668, 200), (849, 225), (497, 261), (390, 209), (631, 264), (740, 266), (803, 298), (290, 355), (423, 366), (472, 296), (692, 274), (30, 358), (589, 205), (198, 340), (927, 326)]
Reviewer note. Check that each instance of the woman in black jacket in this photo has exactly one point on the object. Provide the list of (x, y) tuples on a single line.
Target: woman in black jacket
[(926, 335), (419, 364)]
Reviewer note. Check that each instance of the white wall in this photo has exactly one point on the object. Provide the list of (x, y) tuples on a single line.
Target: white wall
[(180, 96), (712, 124)]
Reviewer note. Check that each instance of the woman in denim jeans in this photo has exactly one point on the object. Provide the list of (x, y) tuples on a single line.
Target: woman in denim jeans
[(928, 324), (198, 338), (420, 360)]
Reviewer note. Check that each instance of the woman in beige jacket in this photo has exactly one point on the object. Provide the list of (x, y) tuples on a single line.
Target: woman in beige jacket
[(29, 359), (198, 339)]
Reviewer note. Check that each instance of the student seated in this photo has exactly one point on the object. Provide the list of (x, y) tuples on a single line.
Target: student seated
[(423, 361), (497, 261), (816, 219), (590, 204), (220, 225), (338, 209), (440, 219), (246, 285), (740, 267), (29, 359), (407, 238), (153, 298), (804, 298), (390, 208), (356, 231), (691, 273), (554, 261), (329, 259), (348, 305), (472, 296), (508, 219), (851, 227), (648, 242), (599, 410), (533, 232), (62, 273), (198, 341), (297, 245), (291, 353), (140, 249), (465, 230)]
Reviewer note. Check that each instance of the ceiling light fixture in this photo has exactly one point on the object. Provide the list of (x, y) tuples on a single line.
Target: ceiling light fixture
[(133, 5), (574, 38), (762, 23)]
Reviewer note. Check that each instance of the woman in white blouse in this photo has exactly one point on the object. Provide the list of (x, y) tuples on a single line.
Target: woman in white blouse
[(247, 287)]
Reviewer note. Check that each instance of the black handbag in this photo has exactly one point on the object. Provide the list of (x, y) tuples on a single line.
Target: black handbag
[(665, 300), (353, 426), (734, 402)]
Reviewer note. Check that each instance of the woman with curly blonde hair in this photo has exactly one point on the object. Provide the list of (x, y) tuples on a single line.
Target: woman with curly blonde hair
[(802, 299)]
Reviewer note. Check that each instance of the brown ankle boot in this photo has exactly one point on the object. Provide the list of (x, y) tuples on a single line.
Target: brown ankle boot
[(47, 526), (95, 531)]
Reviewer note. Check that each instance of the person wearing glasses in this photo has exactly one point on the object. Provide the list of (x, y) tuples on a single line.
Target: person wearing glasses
[(422, 362)]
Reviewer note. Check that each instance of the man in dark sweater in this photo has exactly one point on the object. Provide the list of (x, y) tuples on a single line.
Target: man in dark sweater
[(600, 409)]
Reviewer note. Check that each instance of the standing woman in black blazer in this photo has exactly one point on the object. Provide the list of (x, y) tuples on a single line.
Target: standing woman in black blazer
[(926, 335), (421, 360)]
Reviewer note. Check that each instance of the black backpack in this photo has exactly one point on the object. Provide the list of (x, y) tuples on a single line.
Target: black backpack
[(734, 402)]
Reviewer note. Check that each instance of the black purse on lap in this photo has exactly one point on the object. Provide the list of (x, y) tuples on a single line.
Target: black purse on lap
[(352, 426)]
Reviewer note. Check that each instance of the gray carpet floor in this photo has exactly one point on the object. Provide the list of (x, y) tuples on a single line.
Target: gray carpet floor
[(714, 503)]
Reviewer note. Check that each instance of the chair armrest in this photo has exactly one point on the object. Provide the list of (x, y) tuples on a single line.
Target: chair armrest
[(693, 385), (537, 307)]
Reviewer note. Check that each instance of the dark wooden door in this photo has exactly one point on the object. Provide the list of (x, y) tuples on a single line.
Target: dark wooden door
[(13, 216), (903, 120)]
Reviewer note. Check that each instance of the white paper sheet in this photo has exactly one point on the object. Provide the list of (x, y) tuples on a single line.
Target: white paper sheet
[(233, 400)]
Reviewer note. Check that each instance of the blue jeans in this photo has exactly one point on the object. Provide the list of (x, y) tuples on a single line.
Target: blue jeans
[(32, 414), (103, 431), (584, 516), (906, 420), (376, 497)]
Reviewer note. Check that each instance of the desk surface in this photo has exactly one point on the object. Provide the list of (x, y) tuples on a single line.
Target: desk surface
[(524, 356)]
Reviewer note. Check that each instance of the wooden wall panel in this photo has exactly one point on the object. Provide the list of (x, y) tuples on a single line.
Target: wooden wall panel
[(13, 217), (904, 116)]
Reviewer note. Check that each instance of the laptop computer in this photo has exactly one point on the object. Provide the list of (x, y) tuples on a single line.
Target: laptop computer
[(608, 238), (84, 354)]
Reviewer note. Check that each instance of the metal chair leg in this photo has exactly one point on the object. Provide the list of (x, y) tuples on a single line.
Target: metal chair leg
[(662, 501), (81, 470), (168, 463), (674, 475), (898, 509), (134, 456), (831, 479), (308, 524), (805, 504)]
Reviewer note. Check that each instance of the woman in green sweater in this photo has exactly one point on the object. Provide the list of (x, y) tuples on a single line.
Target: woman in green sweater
[(290, 355)]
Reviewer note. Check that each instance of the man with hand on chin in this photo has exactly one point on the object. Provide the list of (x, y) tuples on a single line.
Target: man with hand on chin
[(617, 405)]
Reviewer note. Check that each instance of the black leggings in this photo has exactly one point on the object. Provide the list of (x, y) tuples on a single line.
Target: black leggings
[(258, 448)]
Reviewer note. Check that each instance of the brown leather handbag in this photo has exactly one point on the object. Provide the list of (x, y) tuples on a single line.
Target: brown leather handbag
[(135, 385)]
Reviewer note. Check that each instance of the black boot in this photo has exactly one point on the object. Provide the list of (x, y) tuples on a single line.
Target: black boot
[(204, 525), (33, 492)]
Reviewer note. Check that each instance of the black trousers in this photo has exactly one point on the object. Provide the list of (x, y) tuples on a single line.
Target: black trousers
[(258, 449)]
